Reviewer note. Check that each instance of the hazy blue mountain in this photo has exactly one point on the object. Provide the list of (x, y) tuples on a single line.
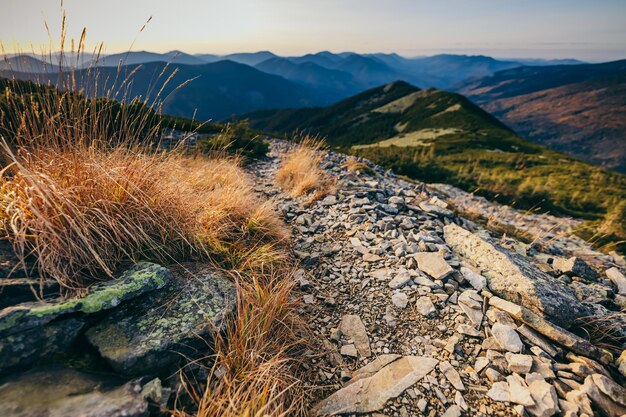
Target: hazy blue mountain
[(250, 58), (216, 90), (142, 57), (330, 85), (25, 63), (547, 62)]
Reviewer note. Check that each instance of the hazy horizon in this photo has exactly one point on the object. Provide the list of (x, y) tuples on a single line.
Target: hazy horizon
[(505, 29)]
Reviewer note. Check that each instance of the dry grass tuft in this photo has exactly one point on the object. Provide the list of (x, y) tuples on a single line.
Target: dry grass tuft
[(353, 165), (300, 172), (252, 371)]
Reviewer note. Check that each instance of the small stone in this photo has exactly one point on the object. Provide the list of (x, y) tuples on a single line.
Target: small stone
[(499, 392), (477, 281), (507, 337), (621, 363), (545, 398), (353, 328), (616, 276), (400, 280), (400, 299), (519, 392), (452, 375), (422, 404), (471, 304), (493, 375), (481, 363), (452, 411), (468, 330), (519, 363), (433, 264), (425, 306), (349, 350)]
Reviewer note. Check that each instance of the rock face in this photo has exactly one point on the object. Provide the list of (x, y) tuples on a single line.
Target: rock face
[(30, 331), (372, 393), (60, 392), (514, 278), (144, 335)]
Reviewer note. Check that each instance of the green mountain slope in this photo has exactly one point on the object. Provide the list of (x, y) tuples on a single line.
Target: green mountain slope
[(436, 136)]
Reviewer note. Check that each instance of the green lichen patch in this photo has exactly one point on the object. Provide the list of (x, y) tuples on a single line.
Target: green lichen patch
[(140, 279)]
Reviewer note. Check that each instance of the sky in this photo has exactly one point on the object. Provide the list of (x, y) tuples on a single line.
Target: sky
[(591, 30)]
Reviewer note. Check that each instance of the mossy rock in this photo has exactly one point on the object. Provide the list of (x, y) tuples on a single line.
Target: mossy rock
[(140, 279), (148, 334)]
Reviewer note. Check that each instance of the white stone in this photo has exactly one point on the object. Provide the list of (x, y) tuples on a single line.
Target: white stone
[(425, 306), (616, 276), (400, 299), (519, 363), (477, 281), (507, 337), (499, 392)]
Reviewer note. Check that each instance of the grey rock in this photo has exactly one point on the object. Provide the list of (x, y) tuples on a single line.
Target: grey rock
[(400, 280), (144, 335), (400, 300), (452, 375), (521, 364), (514, 278), (477, 281), (471, 304), (433, 264), (371, 394), (545, 398), (507, 337), (353, 328), (616, 276), (425, 306), (60, 392)]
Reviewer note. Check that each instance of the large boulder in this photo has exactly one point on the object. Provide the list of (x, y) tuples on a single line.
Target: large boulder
[(514, 278), (147, 334), (31, 331), (61, 392)]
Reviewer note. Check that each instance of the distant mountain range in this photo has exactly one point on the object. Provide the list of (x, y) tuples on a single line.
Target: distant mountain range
[(209, 91), (576, 109), (437, 136)]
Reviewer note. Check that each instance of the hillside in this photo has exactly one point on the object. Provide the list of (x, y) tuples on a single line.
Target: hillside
[(576, 109), (211, 91), (437, 136)]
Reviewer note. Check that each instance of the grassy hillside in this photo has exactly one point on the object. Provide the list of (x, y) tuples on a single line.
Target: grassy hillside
[(589, 121), (437, 136)]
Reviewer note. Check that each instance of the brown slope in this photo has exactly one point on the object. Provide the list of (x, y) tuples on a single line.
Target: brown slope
[(579, 109)]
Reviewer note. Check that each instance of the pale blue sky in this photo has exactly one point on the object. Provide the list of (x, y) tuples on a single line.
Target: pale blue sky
[(586, 29)]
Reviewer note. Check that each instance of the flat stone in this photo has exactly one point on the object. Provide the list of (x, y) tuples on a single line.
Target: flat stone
[(468, 330), (433, 264), (400, 299), (349, 350), (353, 328), (400, 280), (481, 363), (144, 335), (477, 281), (507, 337), (452, 375), (519, 392), (371, 394), (61, 392), (452, 411), (472, 304), (545, 398), (425, 306), (521, 364), (610, 388), (499, 391), (514, 278), (616, 276), (374, 366)]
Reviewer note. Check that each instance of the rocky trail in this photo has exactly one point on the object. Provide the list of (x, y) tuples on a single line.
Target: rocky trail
[(420, 312), (414, 309)]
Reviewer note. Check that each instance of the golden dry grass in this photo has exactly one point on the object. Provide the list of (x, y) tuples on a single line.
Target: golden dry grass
[(300, 173), (252, 372)]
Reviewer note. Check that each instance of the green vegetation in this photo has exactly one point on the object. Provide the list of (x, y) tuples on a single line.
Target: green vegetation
[(443, 137), (234, 138)]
